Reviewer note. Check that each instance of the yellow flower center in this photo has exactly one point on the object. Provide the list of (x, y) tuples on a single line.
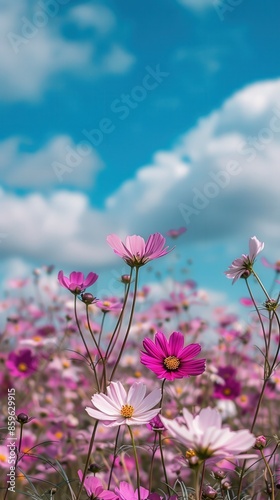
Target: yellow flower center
[(66, 364), (172, 363), (127, 411), (37, 338), (227, 391), (22, 367), (3, 458), (106, 303), (190, 453), (58, 434)]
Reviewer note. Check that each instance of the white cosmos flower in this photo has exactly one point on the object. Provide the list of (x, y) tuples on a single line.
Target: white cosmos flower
[(205, 435), (118, 407)]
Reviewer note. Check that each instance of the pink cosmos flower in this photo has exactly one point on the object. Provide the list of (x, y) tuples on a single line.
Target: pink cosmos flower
[(22, 364), (125, 491), (242, 267), (135, 251), (275, 266), (108, 305), (119, 407), (170, 359), (94, 488), (76, 282), (174, 233), (205, 437)]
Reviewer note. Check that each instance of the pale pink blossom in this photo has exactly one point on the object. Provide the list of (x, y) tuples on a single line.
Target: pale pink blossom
[(119, 407), (242, 267), (205, 436), (135, 251)]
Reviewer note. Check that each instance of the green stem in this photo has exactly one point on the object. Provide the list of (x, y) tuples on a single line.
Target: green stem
[(129, 324), (120, 317), (163, 463), (136, 462), (81, 333), (88, 458), (152, 462), (270, 474), (114, 458)]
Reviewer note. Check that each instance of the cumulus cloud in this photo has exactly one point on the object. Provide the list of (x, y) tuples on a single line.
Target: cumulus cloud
[(221, 180), (56, 162), (34, 48)]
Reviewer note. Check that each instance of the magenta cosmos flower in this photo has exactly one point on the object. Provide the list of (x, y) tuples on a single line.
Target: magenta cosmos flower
[(76, 282), (125, 491), (135, 251), (119, 407), (205, 437), (242, 267), (170, 359), (22, 364), (94, 488)]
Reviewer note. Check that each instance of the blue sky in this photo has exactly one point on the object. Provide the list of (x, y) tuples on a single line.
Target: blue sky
[(137, 117)]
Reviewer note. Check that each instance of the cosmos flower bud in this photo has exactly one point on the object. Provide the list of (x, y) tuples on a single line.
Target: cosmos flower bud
[(22, 418), (209, 492), (219, 474), (260, 442), (125, 278), (94, 468), (88, 298)]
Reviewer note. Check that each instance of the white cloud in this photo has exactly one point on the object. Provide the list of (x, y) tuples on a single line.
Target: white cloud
[(191, 184), (34, 50), (98, 17), (51, 166)]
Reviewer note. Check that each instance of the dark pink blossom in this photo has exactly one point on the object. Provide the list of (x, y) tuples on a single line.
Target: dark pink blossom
[(22, 364), (76, 282), (135, 251), (94, 488), (125, 491), (170, 359)]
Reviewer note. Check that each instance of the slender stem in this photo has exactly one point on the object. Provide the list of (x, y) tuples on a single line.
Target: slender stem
[(81, 333), (92, 334), (136, 462), (163, 462), (202, 478), (88, 458), (198, 483), (268, 469), (152, 462), (258, 313), (114, 458), (129, 324), (101, 327), (120, 316), (261, 285)]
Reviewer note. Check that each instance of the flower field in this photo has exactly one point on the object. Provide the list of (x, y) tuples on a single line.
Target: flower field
[(125, 397)]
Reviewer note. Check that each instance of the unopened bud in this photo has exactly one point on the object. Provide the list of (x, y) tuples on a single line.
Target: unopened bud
[(125, 278), (260, 442), (22, 418), (88, 298), (219, 474), (209, 492), (225, 484)]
